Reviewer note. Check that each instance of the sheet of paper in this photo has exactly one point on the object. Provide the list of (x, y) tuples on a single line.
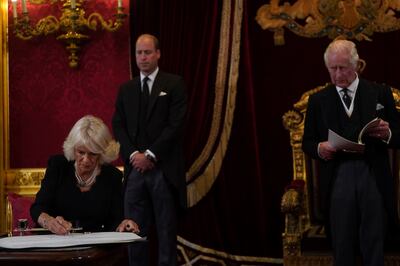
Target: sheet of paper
[(74, 239), (340, 143)]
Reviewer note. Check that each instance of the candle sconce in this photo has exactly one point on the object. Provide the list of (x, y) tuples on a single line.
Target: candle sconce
[(72, 25)]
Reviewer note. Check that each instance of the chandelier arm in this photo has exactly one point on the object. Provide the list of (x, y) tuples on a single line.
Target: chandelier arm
[(44, 26), (71, 27), (109, 25)]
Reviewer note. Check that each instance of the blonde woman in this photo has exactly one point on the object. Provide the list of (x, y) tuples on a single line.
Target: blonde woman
[(81, 188)]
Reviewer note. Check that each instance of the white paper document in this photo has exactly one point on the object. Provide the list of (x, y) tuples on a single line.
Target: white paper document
[(340, 143), (74, 239)]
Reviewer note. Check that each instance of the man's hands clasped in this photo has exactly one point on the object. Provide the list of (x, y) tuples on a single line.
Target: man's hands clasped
[(141, 163)]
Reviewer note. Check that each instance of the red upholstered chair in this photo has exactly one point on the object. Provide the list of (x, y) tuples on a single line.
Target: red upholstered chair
[(17, 207)]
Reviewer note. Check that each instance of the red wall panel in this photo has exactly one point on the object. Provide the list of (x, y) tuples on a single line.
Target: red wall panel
[(46, 96)]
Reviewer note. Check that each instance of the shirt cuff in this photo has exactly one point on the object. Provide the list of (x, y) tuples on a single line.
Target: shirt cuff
[(149, 153), (133, 154), (318, 151), (389, 138)]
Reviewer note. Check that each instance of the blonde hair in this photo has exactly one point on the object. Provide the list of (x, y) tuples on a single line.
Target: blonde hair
[(343, 46), (91, 132)]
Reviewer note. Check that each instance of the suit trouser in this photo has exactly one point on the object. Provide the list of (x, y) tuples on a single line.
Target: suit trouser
[(357, 216), (149, 199)]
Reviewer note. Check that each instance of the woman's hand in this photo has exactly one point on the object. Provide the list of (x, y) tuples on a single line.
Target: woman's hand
[(56, 225), (128, 225)]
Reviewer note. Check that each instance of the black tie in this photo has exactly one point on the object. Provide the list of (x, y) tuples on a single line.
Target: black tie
[(145, 93), (346, 98)]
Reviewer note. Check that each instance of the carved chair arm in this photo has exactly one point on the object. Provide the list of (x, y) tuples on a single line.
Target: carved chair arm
[(292, 198), (292, 206), (291, 201)]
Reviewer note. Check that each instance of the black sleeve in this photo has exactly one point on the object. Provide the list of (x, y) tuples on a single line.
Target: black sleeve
[(115, 214), (45, 198)]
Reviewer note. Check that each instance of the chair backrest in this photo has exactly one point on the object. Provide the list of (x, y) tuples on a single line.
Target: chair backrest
[(306, 169), (18, 207)]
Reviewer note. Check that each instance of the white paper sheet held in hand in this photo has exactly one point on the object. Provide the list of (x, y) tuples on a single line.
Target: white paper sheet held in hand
[(340, 143), (74, 239)]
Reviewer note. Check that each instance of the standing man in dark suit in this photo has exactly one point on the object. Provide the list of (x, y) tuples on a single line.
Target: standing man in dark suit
[(148, 122), (356, 188)]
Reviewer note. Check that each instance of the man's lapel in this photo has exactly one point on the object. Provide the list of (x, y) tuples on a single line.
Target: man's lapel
[(134, 94), (155, 92), (367, 98), (332, 108)]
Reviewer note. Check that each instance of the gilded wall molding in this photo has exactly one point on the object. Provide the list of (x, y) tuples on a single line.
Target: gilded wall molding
[(4, 110), (24, 181)]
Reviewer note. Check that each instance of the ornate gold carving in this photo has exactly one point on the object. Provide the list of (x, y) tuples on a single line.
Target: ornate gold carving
[(352, 19), (292, 120), (291, 201), (396, 96), (23, 181), (27, 178), (291, 244), (72, 25)]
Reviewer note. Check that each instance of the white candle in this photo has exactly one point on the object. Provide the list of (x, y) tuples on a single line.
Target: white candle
[(119, 3), (24, 10), (73, 4), (14, 5)]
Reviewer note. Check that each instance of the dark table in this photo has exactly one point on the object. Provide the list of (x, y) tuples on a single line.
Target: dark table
[(98, 255)]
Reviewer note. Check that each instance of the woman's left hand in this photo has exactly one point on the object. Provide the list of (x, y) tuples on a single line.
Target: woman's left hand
[(128, 225)]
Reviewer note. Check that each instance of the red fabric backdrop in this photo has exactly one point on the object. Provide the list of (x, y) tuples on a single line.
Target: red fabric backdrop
[(47, 97)]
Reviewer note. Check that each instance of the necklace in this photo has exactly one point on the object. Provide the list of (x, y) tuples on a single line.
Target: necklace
[(90, 181)]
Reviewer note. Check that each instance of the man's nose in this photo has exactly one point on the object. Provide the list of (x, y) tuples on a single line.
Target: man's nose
[(338, 72)]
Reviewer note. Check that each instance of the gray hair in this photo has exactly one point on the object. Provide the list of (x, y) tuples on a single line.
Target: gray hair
[(343, 46), (91, 132)]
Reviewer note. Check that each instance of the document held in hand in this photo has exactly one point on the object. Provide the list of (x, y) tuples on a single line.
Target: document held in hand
[(340, 143)]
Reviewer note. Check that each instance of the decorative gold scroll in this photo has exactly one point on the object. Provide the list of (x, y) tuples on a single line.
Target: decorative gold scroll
[(352, 19)]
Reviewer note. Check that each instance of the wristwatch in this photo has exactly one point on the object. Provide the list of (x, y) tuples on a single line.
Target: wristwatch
[(149, 157)]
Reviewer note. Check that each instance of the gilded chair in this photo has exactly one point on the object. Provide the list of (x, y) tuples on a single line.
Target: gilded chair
[(304, 240), (18, 207)]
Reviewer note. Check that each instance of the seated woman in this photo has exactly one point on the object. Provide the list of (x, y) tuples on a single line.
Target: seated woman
[(81, 188)]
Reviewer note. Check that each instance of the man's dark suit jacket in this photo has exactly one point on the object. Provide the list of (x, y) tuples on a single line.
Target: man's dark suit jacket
[(323, 113), (164, 126)]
